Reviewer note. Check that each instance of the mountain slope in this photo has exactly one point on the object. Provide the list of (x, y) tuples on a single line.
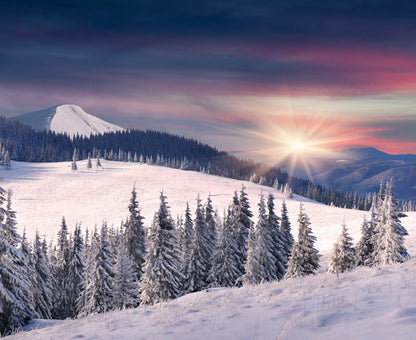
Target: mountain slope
[(364, 304), (69, 119), (44, 192)]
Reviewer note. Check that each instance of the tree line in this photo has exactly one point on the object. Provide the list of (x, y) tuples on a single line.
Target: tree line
[(22, 143), (114, 268)]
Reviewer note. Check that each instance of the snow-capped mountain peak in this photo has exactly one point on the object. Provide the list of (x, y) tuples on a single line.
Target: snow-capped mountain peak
[(70, 119)]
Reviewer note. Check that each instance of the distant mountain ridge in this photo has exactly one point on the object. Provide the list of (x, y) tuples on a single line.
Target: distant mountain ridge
[(70, 119), (373, 153)]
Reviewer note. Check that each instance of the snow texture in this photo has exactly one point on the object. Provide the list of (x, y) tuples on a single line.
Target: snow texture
[(69, 119), (366, 303)]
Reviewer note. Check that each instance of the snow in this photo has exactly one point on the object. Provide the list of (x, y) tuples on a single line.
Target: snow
[(69, 119), (44, 192), (364, 304)]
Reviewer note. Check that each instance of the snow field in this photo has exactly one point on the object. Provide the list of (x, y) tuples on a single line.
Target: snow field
[(364, 304), (44, 192)]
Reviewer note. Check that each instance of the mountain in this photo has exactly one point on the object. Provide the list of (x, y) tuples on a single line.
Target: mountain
[(373, 153), (69, 119), (362, 170)]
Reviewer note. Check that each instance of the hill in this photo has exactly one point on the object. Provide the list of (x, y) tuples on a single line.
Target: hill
[(68, 119), (374, 303)]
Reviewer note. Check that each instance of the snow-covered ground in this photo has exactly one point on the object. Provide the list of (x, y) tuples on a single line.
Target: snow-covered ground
[(44, 192), (364, 304)]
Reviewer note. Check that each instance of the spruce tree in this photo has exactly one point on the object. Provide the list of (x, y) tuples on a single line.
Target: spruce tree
[(211, 229), (99, 290), (261, 263), (42, 280), (199, 264), (225, 268), (126, 288), (89, 164), (60, 272), (279, 246), (285, 229), (389, 233), (135, 236), (16, 297), (161, 279), (76, 269), (74, 166), (365, 246), (343, 257), (304, 258)]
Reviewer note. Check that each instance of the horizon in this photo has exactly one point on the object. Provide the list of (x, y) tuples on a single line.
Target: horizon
[(247, 77)]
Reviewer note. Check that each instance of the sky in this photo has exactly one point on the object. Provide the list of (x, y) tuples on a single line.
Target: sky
[(251, 77)]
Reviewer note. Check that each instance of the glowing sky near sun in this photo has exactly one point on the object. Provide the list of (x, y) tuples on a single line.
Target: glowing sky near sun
[(246, 76)]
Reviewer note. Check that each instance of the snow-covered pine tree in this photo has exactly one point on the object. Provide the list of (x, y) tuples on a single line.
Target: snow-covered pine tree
[(343, 256), (74, 166), (304, 258), (261, 263), (60, 272), (161, 279), (286, 232), (6, 160), (365, 246), (199, 261), (135, 236), (76, 269), (253, 271), (278, 247), (16, 297), (211, 229), (89, 163), (98, 161), (225, 266), (42, 280), (126, 288), (242, 224), (389, 233), (100, 285), (186, 244)]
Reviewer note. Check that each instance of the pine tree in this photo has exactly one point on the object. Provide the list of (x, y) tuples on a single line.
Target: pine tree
[(76, 269), (261, 263), (74, 160), (126, 289), (285, 229), (89, 164), (389, 233), (60, 272), (186, 243), (199, 262), (42, 280), (304, 259), (278, 246), (16, 297), (242, 224), (225, 266), (343, 257), (162, 278), (6, 160), (99, 289), (135, 236), (365, 247), (211, 229)]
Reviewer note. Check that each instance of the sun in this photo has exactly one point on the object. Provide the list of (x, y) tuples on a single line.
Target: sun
[(298, 146)]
